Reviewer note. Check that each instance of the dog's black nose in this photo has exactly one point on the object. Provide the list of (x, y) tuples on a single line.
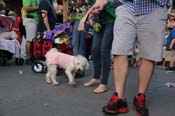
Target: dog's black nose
[(79, 74), (79, 70)]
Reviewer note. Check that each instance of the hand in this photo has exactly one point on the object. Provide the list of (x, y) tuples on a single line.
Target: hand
[(25, 8), (30, 9), (98, 6)]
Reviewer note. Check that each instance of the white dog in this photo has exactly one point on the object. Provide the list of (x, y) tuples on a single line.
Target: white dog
[(8, 35), (71, 65)]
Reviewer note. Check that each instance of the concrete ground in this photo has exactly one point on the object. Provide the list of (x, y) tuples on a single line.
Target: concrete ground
[(28, 94)]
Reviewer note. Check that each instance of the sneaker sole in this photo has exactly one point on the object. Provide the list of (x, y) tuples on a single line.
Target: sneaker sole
[(134, 108), (124, 110)]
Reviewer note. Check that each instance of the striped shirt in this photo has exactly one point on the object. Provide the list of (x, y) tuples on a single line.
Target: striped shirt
[(142, 7)]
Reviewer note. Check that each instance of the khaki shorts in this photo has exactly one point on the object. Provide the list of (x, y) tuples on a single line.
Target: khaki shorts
[(170, 55), (146, 31), (164, 52), (30, 27)]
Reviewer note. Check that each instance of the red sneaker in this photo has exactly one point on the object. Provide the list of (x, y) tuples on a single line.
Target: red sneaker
[(139, 105), (116, 105)]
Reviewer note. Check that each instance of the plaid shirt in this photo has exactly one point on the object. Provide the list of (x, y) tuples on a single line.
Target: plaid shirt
[(142, 7)]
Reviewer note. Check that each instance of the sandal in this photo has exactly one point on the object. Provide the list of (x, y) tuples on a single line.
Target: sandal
[(91, 82), (100, 89)]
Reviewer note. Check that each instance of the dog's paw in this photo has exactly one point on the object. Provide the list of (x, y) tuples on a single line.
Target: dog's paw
[(72, 84), (55, 83), (48, 82)]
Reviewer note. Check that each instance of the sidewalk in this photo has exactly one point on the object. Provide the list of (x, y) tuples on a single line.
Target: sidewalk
[(28, 94)]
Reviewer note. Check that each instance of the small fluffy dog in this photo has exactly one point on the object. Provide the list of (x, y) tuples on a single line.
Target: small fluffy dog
[(71, 65), (8, 35)]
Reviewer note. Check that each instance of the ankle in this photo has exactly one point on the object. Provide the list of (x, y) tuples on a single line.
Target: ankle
[(140, 93)]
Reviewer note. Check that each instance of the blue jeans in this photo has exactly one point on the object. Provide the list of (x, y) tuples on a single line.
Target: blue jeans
[(78, 40), (101, 52)]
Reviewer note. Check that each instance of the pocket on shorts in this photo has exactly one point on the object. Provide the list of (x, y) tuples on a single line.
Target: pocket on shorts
[(118, 10), (164, 13)]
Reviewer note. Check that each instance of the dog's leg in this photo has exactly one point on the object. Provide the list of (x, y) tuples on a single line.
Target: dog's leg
[(53, 78), (70, 76), (53, 73), (48, 78)]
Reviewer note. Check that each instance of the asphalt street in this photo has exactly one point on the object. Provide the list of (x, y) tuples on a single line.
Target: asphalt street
[(27, 94)]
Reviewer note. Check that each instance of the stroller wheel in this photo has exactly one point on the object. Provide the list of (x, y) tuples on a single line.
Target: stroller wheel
[(38, 67)]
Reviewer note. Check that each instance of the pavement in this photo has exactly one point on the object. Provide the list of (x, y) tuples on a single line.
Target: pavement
[(27, 94)]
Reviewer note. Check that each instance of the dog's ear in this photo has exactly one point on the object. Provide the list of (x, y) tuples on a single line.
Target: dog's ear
[(87, 65), (79, 56), (85, 62)]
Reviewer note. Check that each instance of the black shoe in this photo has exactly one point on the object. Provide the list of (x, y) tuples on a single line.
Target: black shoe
[(170, 69), (116, 105), (139, 105)]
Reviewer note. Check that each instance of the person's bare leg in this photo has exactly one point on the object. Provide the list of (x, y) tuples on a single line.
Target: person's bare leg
[(28, 49), (144, 76), (164, 63), (171, 64), (172, 43), (120, 74)]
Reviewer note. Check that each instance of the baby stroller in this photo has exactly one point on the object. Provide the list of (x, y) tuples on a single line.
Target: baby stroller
[(58, 37), (9, 46)]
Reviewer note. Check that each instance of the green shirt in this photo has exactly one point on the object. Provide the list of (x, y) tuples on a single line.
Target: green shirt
[(77, 16), (108, 14), (31, 3)]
